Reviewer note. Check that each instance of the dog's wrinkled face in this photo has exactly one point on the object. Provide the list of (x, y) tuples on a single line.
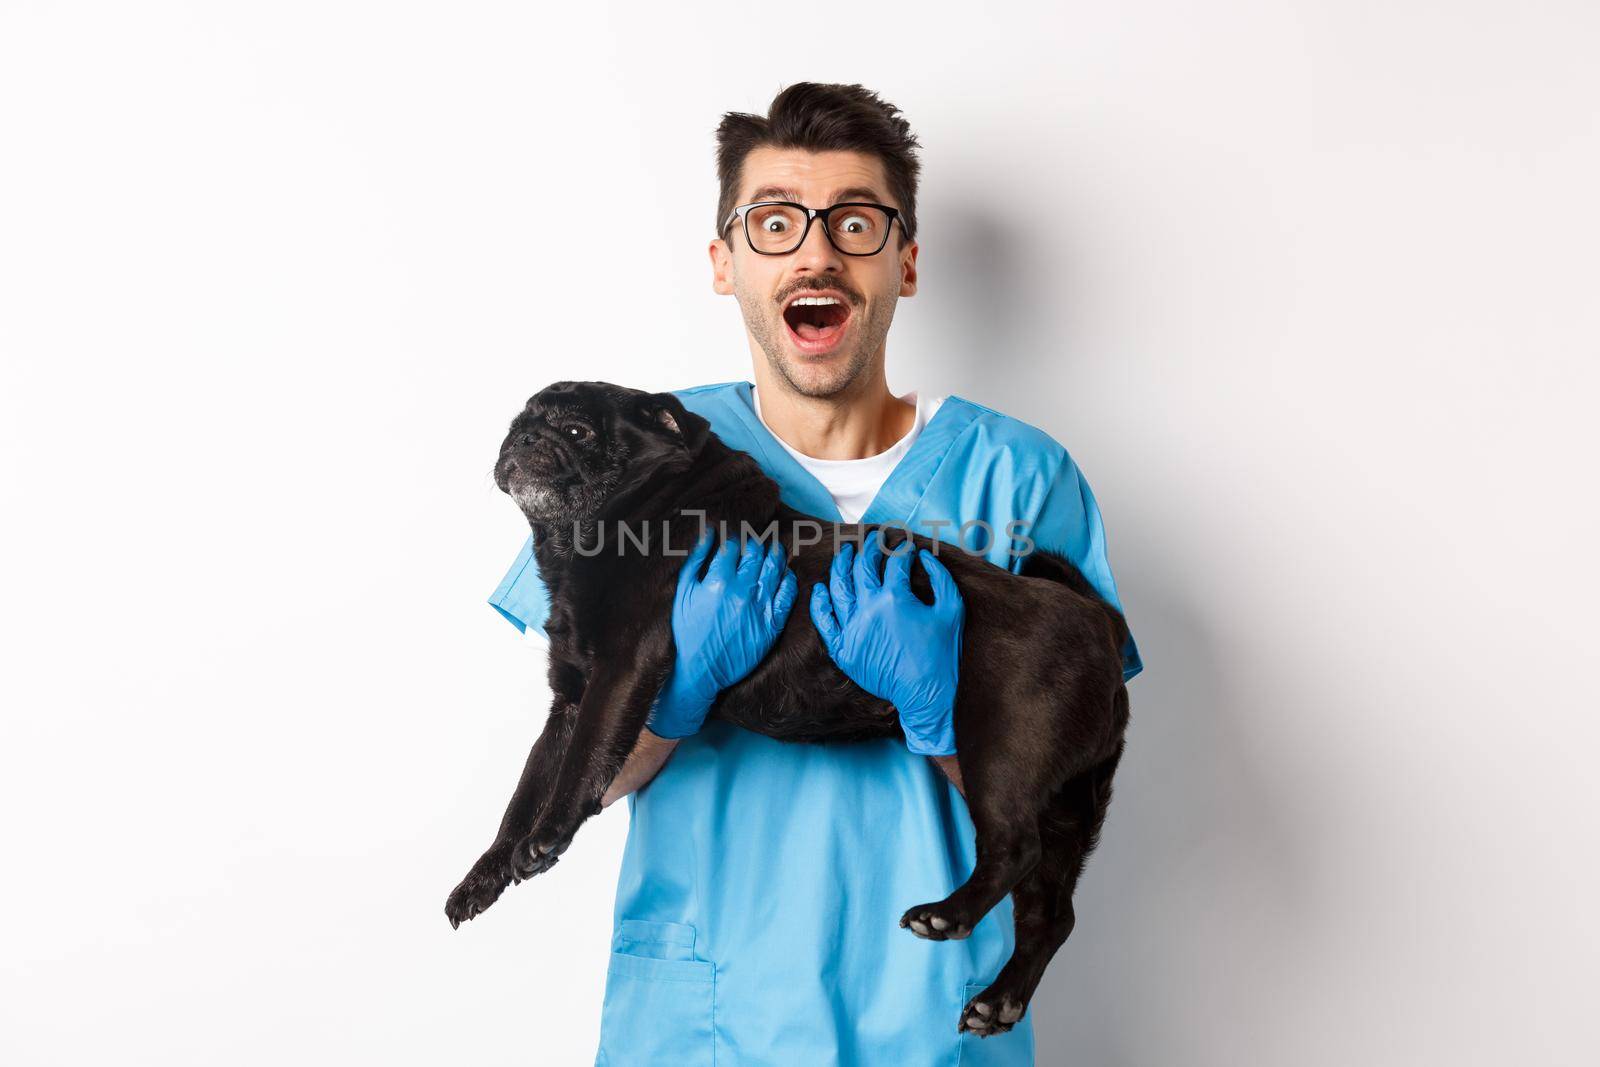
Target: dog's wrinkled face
[(577, 445)]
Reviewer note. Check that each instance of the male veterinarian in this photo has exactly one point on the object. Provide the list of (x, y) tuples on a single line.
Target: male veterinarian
[(762, 881)]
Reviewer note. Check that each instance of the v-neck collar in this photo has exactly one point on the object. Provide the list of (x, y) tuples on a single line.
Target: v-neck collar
[(900, 493)]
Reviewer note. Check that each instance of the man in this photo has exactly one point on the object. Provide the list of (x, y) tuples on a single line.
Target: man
[(762, 881)]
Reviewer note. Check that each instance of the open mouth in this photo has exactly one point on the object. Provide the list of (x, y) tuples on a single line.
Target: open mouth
[(816, 321)]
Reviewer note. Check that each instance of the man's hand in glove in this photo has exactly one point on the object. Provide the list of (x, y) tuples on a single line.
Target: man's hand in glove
[(890, 643), (722, 626)]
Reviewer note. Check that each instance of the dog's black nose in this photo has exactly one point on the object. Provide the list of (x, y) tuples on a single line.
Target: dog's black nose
[(502, 473)]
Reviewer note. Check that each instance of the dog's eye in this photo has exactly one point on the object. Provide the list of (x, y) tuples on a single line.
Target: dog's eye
[(577, 431)]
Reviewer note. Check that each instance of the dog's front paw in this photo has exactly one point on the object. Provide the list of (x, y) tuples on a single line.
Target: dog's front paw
[(481, 887), (991, 1012), (539, 851), (937, 922)]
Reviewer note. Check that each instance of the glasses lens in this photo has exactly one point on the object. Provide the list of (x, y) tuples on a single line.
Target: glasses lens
[(774, 227), (858, 228)]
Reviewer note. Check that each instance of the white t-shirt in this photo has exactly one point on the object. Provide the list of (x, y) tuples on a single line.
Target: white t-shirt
[(853, 483)]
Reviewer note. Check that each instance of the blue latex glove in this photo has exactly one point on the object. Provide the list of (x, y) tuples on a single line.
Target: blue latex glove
[(722, 626), (890, 643)]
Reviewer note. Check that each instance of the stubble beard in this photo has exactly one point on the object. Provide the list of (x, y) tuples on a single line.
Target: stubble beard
[(766, 326)]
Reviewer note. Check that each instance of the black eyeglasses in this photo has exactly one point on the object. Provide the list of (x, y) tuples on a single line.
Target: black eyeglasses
[(778, 227)]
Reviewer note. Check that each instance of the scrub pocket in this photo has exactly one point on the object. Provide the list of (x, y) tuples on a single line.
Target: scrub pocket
[(1014, 1048), (660, 1000)]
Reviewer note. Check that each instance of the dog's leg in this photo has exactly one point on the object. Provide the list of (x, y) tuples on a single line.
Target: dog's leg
[(1004, 741), (493, 872), (1042, 901), (1038, 934), (614, 708), (1008, 848)]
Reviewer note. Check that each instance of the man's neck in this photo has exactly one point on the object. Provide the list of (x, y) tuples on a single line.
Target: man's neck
[(861, 421)]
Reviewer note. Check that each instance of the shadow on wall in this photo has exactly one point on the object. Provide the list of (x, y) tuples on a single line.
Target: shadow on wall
[(980, 307), (1198, 876)]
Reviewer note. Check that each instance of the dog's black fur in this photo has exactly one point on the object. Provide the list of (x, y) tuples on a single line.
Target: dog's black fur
[(1040, 712)]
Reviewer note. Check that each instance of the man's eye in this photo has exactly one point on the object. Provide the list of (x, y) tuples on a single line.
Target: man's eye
[(855, 224), (775, 224)]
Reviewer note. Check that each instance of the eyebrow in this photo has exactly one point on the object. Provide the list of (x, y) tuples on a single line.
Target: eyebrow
[(854, 192)]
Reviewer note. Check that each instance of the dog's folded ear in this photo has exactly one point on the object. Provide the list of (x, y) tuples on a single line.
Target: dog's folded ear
[(667, 412)]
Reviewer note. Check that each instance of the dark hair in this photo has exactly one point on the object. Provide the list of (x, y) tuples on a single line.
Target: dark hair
[(823, 118)]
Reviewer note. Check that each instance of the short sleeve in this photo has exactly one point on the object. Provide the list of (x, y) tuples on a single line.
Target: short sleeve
[(1069, 525), (521, 596)]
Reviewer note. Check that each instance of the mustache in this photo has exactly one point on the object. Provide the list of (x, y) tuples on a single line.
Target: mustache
[(849, 294)]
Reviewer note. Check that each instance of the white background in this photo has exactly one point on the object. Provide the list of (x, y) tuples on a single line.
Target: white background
[(1308, 289)]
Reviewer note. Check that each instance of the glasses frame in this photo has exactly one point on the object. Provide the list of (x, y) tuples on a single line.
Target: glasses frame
[(742, 215)]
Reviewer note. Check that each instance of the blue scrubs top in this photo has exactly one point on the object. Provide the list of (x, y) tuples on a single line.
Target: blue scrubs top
[(758, 905)]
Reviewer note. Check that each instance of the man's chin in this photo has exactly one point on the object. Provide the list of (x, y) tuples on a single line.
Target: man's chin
[(820, 376)]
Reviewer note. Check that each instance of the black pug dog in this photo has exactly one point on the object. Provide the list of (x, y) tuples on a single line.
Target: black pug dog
[(1040, 712)]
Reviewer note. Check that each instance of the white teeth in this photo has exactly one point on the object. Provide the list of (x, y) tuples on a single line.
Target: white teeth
[(815, 301)]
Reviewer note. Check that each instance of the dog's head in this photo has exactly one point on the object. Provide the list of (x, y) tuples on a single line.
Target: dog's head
[(578, 445)]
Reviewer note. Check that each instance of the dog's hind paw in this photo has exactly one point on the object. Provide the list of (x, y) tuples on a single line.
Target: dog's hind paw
[(990, 1013), (480, 888), (936, 922)]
